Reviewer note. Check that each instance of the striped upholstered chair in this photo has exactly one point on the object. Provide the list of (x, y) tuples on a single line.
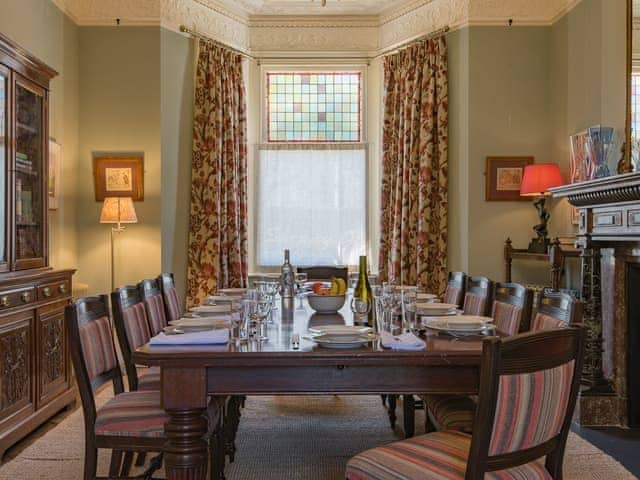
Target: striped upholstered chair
[(478, 296), (130, 421), (151, 294), (170, 296), (526, 401), (555, 310), (454, 293), (134, 330), (510, 311)]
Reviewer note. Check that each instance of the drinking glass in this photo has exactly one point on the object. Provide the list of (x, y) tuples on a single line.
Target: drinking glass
[(262, 311), (360, 308), (409, 316), (248, 309), (301, 279)]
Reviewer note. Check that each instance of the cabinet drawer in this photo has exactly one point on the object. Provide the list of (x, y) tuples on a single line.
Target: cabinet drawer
[(49, 291), (17, 297)]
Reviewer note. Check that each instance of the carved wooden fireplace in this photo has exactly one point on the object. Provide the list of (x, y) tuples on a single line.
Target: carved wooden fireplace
[(609, 238)]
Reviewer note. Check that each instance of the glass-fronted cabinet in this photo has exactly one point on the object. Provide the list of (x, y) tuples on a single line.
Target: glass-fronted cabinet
[(4, 153), (28, 171)]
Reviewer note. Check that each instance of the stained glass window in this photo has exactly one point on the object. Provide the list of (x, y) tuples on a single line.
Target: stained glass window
[(313, 107)]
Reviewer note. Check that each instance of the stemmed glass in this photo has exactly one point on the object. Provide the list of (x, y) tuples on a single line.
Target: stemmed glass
[(301, 279), (261, 312), (360, 308)]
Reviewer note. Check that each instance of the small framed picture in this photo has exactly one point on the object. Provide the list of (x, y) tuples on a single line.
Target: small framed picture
[(53, 185), (504, 176), (118, 175)]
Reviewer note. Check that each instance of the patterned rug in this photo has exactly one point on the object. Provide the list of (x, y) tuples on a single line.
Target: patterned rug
[(307, 438)]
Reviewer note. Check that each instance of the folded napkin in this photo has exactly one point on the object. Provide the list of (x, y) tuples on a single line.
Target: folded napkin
[(208, 337), (405, 341)]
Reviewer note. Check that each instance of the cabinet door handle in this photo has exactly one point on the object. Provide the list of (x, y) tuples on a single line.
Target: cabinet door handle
[(62, 288), (25, 297), (4, 301), (46, 291)]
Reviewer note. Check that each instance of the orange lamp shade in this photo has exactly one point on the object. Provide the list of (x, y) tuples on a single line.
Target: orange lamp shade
[(118, 210), (539, 178)]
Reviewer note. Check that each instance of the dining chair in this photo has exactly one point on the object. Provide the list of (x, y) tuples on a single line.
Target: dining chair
[(151, 294), (325, 273), (134, 330), (556, 309), (511, 310), (170, 296), (454, 293), (478, 296), (528, 389), (128, 422)]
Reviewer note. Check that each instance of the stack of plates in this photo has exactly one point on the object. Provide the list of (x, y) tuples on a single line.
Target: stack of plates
[(426, 297), (436, 309), (461, 323), (342, 336), (188, 325), (210, 309), (215, 299)]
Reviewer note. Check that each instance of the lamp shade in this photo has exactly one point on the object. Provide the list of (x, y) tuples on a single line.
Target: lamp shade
[(539, 178), (118, 210)]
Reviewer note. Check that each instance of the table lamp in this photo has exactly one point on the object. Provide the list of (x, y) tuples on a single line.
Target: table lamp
[(117, 210), (536, 182)]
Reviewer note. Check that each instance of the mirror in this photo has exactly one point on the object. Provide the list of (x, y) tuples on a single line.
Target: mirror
[(631, 155)]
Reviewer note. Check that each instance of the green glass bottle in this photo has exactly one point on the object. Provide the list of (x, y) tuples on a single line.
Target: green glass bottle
[(362, 302)]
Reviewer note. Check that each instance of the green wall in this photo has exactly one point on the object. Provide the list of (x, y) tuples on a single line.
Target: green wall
[(119, 112), (177, 80)]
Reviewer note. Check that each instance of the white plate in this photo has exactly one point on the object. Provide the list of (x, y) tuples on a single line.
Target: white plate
[(200, 322), (327, 341), (429, 297), (215, 299), (232, 291), (462, 323), (340, 330), (211, 308), (177, 330)]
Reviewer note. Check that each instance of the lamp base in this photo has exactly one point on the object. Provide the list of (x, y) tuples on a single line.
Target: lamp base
[(539, 245)]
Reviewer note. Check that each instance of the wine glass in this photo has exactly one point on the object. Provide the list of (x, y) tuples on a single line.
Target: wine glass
[(301, 279), (361, 307), (262, 311)]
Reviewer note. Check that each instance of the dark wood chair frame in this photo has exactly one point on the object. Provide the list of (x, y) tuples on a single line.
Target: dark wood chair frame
[(166, 282), (81, 312), (521, 354), (150, 287), (481, 286), (122, 298), (560, 305), (458, 279), (518, 295), (325, 272)]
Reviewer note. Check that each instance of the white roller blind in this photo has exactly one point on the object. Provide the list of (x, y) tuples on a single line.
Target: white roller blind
[(313, 202)]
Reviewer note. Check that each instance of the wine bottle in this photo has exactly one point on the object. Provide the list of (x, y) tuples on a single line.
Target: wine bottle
[(362, 303), (287, 280)]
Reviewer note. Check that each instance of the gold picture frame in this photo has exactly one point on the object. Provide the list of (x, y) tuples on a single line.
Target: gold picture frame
[(503, 178), (118, 175)]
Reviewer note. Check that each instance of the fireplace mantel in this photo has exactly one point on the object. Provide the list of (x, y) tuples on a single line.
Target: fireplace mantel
[(609, 237)]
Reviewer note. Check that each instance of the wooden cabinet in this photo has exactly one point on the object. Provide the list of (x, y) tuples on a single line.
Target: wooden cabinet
[(35, 372)]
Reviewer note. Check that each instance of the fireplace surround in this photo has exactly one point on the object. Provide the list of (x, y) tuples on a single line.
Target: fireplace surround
[(609, 239)]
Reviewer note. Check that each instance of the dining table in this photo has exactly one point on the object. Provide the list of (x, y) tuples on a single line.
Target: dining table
[(191, 375)]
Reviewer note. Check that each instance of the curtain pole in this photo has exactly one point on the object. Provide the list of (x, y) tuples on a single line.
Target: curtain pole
[(402, 46), (193, 33)]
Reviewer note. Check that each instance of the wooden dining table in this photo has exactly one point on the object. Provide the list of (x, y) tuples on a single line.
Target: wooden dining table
[(190, 375)]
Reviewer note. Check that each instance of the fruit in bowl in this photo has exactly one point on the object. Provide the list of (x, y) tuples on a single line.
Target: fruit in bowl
[(338, 287)]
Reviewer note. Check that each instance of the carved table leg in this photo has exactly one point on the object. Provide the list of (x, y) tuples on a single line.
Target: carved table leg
[(186, 453)]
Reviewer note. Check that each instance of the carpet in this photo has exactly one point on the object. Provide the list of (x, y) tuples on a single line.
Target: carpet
[(308, 438)]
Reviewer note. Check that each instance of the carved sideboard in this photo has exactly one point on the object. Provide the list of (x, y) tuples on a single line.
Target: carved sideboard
[(609, 239), (35, 373)]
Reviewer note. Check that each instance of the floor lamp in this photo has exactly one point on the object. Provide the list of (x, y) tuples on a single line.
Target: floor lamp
[(117, 210)]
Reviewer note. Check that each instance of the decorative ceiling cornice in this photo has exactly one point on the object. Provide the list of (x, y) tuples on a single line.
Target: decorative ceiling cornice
[(314, 21)]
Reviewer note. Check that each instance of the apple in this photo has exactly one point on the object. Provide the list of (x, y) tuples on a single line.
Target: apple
[(317, 287)]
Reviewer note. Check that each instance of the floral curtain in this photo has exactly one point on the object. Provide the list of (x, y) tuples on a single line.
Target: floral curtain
[(413, 242), (218, 255)]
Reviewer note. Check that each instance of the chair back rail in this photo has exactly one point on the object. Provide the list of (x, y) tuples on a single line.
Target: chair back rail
[(132, 326), (515, 295), (325, 272), (172, 305), (151, 293), (454, 292), (556, 309), (478, 296), (554, 360), (80, 315)]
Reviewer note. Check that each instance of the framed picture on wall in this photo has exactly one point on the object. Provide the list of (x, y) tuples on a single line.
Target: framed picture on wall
[(53, 185), (118, 175), (504, 176)]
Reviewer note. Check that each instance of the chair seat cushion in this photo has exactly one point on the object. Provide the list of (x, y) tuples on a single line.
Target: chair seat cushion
[(149, 379), (438, 456), (132, 414), (451, 412)]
